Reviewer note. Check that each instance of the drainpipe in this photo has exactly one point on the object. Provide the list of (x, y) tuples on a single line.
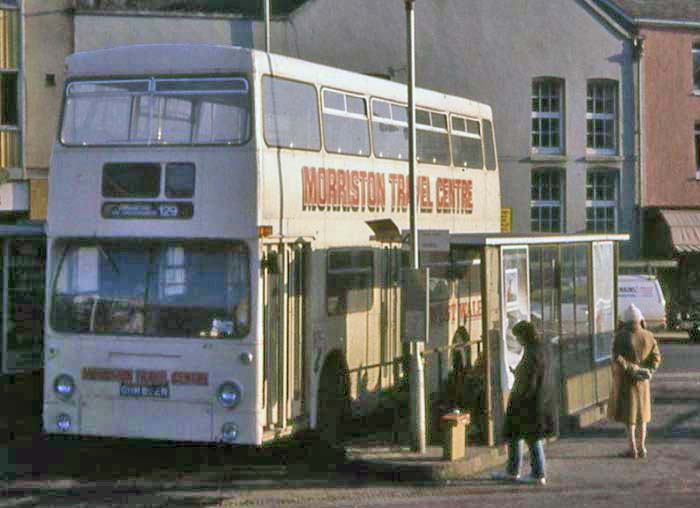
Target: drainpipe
[(22, 85), (638, 42)]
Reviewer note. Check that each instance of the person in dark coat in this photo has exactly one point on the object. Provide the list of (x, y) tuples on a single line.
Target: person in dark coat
[(530, 416)]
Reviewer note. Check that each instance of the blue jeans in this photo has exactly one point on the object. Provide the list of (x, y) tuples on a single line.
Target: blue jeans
[(515, 457)]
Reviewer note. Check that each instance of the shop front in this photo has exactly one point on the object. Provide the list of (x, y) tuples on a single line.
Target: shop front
[(22, 285)]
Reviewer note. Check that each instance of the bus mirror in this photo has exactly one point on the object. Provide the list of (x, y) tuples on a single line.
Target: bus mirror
[(270, 262)]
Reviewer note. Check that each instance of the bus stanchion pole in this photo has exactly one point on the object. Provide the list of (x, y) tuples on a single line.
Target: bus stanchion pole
[(417, 375), (418, 396)]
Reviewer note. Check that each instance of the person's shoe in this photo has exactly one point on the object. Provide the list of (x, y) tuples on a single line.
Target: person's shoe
[(533, 480), (505, 476), (629, 454), (643, 453)]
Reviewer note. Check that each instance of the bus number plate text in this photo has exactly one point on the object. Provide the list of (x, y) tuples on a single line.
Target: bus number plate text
[(136, 390)]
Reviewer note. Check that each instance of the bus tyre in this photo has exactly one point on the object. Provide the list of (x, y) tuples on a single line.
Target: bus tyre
[(333, 403)]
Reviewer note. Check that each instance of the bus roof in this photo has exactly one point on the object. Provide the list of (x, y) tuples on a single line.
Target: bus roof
[(184, 59)]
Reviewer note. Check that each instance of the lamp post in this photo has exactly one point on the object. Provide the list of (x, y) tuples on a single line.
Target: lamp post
[(417, 379), (266, 8)]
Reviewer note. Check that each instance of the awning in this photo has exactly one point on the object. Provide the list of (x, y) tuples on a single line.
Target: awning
[(22, 229), (684, 226)]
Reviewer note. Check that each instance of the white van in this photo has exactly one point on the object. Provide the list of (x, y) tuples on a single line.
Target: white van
[(645, 292)]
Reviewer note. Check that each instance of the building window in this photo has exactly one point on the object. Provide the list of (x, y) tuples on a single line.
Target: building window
[(696, 66), (697, 150), (8, 98), (546, 201), (10, 138), (601, 117), (547, 115), (601, 201)]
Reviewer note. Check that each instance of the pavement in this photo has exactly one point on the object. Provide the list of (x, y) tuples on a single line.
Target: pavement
[(378, 455)]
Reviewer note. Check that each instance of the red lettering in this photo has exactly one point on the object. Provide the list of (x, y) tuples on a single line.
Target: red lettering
[(380, 190), (426, 204), (341, 184), (371, 191), (151, 377), (467, 205), (330, 179), (363, 189), (354, 189), (104, 374), (190, 378), (321, 190), (309, 186), (393, 183)]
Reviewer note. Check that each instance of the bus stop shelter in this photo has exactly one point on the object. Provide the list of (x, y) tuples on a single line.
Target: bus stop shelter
[(565, 284)]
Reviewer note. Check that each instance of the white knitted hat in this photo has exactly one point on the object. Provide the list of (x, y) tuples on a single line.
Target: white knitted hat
[(633, 314)]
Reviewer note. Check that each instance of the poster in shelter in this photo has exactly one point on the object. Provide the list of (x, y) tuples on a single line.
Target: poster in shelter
[(516, 307)]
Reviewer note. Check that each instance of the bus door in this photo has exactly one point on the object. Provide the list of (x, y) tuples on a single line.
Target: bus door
[(283, 325), (390, 314)]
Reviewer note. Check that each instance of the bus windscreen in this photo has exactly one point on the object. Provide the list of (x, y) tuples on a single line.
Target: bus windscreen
[(159, 289)]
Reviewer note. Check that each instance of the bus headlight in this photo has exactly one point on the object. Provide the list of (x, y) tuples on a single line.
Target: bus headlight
[(63, 422), (229, 432), (64, 386), (229, 394)]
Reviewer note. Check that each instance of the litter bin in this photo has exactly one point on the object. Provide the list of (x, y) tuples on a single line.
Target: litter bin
[(455, 426)]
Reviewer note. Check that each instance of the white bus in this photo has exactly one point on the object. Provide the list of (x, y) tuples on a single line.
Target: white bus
[(211, 273)]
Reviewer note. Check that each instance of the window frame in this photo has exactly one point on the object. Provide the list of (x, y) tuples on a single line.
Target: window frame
[(438, 130), (466, 134), (696, 137), (345, 114), (541, 204), (369, 288), (554, 83), (603, 85), (594, 204), (153, 93), (11, 126), (151, 246), (386, 121), (695, 61)]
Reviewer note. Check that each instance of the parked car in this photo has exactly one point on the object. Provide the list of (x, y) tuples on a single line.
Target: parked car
[(645, 292)]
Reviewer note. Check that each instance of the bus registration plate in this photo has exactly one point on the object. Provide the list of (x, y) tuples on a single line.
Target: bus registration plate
[(136, 390)]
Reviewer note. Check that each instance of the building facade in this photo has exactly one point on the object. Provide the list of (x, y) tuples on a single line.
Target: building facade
[(669, 167)]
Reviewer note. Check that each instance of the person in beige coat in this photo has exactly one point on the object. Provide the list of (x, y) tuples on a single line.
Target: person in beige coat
[(635, 358)]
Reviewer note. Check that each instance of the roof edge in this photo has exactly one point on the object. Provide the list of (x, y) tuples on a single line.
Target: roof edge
[(666, 23), (617, 10), (593, 5)]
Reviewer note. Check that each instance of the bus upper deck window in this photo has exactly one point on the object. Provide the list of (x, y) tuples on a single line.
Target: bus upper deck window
[(345, 123), (467, 151), (489, 146)]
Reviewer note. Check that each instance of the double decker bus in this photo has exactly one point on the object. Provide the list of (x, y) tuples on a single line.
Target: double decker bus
[(211, 273)]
